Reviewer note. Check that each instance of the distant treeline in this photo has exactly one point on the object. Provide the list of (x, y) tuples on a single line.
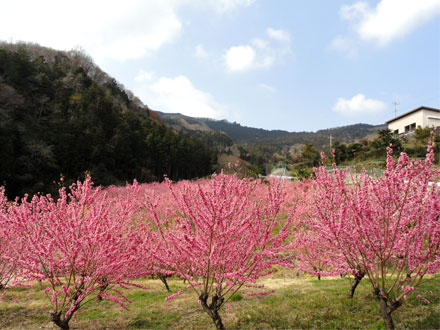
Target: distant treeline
[(61, 115), (262, 148), (373, 150)]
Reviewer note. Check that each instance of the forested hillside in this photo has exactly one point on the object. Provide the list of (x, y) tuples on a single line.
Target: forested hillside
[(60, 115), (243, 134), (262, 148)]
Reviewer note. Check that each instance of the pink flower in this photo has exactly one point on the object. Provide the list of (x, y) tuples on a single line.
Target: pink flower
[(178, 293)]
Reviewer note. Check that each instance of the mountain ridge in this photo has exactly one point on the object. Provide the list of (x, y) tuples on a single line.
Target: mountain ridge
[(246, 134), (178, 114)]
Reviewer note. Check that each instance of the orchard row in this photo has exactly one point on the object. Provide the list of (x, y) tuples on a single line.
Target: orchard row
[(224, 233)]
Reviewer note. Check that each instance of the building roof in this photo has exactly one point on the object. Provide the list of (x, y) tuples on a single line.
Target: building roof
[(412, 111), (280, 171)]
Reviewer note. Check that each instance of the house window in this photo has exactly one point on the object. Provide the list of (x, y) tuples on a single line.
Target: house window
[(410, 128), (396, 132)]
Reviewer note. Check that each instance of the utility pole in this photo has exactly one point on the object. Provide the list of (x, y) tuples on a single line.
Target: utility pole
[(395, 107), (330, 143)]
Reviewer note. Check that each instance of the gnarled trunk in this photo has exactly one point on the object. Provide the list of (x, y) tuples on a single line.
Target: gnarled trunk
[(63, 322), (59, 321), (357, 279), (213, 309), (387, 306)]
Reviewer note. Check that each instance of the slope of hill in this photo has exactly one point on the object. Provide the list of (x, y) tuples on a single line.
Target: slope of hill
[(61, 115), (263, 149), (242, 134)]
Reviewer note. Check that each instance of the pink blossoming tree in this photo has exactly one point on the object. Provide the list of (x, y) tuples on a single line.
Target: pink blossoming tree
[(81, 244), (388, 226), (9, 245), (221, 237), (330, 220), (313, 255)]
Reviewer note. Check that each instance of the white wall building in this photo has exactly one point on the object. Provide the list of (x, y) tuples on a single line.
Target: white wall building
[(421, 116)]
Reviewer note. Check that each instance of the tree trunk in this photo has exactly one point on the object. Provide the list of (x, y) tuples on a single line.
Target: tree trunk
[(62, 323), (319, 277), (386, 315), (102, 289), (387, 306), (212, 309), (357, 279), (163, 278), (215, 316)]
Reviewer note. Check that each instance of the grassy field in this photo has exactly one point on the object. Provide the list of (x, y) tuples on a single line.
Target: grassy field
[(298, 303)]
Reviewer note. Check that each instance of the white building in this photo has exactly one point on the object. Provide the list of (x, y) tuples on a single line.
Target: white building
[(421, 116)]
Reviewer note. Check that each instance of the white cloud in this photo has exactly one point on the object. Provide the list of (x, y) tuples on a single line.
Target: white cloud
[(179, 95), (259, 43), (358, 105), (345, 45), (280, 35), (200, 51), (108, 29), (227, 5), (240, 58), (259, 53), (357, 10), (143, 76), (127, 30), (390, 19)]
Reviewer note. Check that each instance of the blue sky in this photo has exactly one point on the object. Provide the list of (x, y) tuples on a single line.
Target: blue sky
[(274, 64)]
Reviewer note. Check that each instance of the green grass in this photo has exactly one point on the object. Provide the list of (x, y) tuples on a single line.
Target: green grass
[(236, 297), (298, 303)]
